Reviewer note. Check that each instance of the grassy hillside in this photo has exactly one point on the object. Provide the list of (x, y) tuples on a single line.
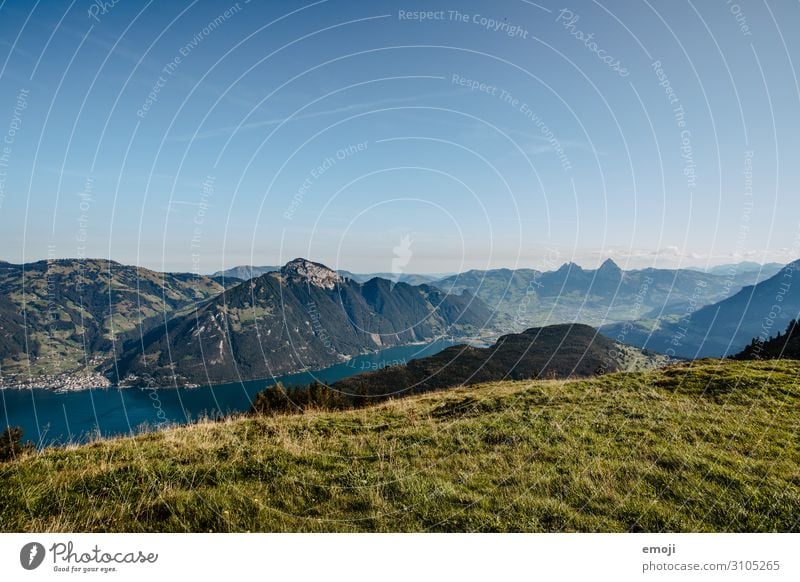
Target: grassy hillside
[(711, 446)]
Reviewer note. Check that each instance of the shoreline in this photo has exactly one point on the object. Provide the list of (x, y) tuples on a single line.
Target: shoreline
[(66, 382), (84, 380)]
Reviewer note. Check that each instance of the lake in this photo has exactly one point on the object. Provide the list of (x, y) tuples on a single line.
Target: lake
[(51, 418)]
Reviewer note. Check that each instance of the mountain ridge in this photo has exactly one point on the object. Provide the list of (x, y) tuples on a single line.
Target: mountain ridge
[(723, 328), (556, 351), (304, 316), (571, 294)]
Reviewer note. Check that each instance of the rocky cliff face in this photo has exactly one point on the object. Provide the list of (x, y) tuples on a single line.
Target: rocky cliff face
[(310, 273)]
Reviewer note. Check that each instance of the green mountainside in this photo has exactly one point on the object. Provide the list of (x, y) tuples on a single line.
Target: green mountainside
[(60, 316)]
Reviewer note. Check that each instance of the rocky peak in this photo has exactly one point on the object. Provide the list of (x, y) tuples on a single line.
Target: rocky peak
[(312, 273), (609, 267), (569, 267)]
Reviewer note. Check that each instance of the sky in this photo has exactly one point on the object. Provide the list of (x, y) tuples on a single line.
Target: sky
[(385, 136)]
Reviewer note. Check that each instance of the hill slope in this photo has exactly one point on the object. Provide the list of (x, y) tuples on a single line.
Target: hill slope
[(69, 310), (710, 446), (723, 328), (556, 351), (305, 316)]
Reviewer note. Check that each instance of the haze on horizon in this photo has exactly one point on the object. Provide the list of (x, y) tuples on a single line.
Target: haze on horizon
[(362, 135)]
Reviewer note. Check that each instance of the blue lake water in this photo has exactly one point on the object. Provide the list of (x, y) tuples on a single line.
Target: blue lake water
[(52, 418)]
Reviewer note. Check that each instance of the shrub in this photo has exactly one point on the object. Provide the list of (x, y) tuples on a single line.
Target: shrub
[(11, 444), (279, 400)]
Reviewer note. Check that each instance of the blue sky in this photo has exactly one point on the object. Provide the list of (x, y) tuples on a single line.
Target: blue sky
[(196, 136)]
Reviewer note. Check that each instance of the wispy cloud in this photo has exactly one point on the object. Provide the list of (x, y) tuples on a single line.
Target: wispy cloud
[(353, 107), (531, 143), (240, 97)]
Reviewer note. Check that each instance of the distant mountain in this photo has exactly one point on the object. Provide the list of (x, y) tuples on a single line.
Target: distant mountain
[(59, 316), (245, 273), (607, 294), (725, 327), (304, 316), (226, 281), (410, 278), (556, 351), (767, 270)]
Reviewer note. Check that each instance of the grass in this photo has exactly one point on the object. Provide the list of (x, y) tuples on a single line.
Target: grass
[(710, 446)]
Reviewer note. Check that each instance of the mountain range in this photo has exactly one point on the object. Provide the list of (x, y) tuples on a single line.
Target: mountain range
[(594, 296), (722, 328), (247, 272), (111, 321), (768, 269), (303, 316)]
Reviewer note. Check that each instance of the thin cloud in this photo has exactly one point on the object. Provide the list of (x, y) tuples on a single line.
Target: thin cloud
[(150, 66), (231, 129)]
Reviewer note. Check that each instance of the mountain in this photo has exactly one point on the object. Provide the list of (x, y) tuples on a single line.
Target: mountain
[(556, 351), (245, 273), (526, 297), (12, 331), (303, 316), (58, 316), (725, 327), (410, 278), (767, 270)]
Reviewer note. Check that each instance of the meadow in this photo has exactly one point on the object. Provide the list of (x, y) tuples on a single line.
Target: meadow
[(703, 446)]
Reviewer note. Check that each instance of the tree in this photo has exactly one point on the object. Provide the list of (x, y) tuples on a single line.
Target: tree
[(11, 443), (273, 400)]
